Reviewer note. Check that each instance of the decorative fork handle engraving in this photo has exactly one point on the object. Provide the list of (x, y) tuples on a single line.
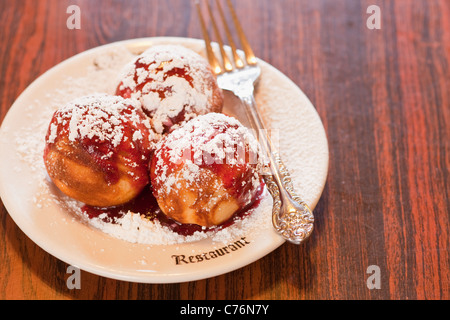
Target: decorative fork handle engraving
[(297, 224), (292, 218)]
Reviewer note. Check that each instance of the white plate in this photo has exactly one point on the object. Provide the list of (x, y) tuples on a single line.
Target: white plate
[(31, 200)]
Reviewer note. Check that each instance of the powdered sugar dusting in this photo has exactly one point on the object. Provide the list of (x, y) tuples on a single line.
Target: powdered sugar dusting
[(99, 116), (201, 134), (134, 228), (169, 81)]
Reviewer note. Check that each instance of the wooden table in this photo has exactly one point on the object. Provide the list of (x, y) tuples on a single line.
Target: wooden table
[(383, 96)]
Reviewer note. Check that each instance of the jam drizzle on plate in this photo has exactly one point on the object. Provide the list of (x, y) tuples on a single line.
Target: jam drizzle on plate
[(146, 205)]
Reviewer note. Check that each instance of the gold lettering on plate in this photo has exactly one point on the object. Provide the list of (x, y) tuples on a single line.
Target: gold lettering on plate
[(181, 259)]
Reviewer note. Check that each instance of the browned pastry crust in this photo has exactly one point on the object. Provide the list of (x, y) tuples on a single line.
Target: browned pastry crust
[(97, 150)]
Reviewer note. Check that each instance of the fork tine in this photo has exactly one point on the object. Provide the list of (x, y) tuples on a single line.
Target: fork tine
[(226, 61), (237, 59), (249, 55), (214, 63)]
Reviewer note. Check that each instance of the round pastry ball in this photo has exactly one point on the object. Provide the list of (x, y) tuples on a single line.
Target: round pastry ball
[(98, 148), (206, 170), (174, 84)]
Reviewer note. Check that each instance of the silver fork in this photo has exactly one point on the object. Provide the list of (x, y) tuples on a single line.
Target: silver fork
[(291, 217)]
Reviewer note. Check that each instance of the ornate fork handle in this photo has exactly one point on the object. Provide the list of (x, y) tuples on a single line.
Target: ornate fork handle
[(292, 218), (295, 224)]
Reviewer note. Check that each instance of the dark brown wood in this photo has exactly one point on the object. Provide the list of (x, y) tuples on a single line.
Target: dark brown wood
[(383, 96)]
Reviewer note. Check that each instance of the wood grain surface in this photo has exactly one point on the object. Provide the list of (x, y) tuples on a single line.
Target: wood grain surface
[(383, 96)]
